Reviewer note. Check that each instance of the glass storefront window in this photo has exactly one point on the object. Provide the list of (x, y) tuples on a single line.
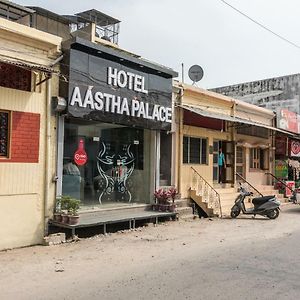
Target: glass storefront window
[(117, 170)]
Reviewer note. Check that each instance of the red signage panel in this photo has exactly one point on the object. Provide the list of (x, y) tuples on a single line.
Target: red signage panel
[(80, 156)]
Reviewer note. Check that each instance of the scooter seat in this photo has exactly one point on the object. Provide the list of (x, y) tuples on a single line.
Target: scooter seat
[(261, 200)]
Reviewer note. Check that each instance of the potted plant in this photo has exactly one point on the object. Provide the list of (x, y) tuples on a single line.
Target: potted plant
[(162, 197), (57, 212), (157, 196), (65, 207), (279, 186), (172, 193), (74, 205)]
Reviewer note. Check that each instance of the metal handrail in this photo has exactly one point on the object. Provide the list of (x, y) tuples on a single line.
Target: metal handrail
[(206, 182), (257, 191), (279, 180)]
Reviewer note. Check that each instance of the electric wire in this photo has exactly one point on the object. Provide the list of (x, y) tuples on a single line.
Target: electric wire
[(261, 25)]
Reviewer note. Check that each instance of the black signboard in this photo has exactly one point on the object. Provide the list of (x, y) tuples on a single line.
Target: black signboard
[(117, 91), (4, 125)]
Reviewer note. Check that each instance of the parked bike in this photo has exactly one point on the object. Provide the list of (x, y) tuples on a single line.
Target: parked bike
[(267, 206)]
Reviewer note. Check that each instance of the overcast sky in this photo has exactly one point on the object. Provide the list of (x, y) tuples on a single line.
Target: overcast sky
[(230, 48)]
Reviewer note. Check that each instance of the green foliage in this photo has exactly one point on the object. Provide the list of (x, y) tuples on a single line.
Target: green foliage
[(74, 205), (67, 203), (58, 205)]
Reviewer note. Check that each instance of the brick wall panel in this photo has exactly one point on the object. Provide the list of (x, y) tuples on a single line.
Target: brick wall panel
[(25, 138)]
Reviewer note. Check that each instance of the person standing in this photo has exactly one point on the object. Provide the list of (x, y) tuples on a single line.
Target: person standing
[(221, 165)]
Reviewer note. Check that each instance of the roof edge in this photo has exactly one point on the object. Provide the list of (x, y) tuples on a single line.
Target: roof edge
[(123, 55)]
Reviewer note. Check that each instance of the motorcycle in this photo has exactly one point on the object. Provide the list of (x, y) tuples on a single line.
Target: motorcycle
[(267, 206)]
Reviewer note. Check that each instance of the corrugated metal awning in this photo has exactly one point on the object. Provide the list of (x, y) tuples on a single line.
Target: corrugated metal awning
[(27, 65), (215, 115)]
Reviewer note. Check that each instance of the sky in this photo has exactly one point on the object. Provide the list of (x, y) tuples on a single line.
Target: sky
[(229, 47)]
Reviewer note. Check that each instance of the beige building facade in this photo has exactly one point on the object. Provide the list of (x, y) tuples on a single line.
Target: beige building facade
[(207, 122), (28, 132)]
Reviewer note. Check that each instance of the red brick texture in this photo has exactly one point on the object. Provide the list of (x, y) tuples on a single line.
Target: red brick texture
[(25, 138)]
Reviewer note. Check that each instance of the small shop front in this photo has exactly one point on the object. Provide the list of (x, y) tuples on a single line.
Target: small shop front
[(287, 163), (287, 152), (118, 107), (242, 131)]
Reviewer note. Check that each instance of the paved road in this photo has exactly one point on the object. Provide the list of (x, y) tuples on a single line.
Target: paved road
[(219, 259)]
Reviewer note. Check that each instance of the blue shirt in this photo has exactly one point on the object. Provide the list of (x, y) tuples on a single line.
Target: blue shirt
[(221, 159)]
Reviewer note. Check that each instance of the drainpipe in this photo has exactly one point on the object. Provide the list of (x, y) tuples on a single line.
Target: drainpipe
[(233, 137), (47, 165), (157, 154), (47, 155), (180, 131)]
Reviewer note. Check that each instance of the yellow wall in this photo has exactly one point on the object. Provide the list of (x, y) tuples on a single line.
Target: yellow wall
[(35, 41), (254, 113), (256, 177), (21, 223), (22, 185), (204, 170), (223, 105)]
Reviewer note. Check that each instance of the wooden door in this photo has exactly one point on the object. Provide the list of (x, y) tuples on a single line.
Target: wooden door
[(240, 161), (216, 147), (229, 152)]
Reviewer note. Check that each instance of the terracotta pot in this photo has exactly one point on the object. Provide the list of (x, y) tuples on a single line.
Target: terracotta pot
[(172, 207), (64, 218), (164, 207), (155, 207), (73, 220), (57, 217)]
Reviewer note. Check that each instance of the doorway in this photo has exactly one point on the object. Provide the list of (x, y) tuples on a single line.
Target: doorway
[(165, 158), (240, 161), (228, 150)]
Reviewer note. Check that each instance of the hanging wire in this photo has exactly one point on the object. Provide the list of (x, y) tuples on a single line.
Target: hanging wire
[(261, 25)]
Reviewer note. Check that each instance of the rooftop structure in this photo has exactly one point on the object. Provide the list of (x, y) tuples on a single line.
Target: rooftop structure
[(13, 12), (89, 24), (107, 27)]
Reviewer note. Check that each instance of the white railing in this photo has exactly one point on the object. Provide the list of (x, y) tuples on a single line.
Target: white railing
[(206, 191)]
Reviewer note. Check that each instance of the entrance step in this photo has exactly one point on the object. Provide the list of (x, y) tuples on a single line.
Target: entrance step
[(228, 194), (202, 204), (184, 211), (267, 190), (222, 185), (128, 207), (183, 202)]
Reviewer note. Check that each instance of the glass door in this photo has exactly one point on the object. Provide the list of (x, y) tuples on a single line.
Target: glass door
[(165, 158)]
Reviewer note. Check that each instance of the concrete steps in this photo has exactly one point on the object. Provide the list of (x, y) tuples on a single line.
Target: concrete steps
[(202, 204), (228, 194), (185, 213), (183, 203), (227, 198), (184, 209), (267, 190)]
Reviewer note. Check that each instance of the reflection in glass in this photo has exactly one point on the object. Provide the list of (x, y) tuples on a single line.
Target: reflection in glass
[(118, 165)]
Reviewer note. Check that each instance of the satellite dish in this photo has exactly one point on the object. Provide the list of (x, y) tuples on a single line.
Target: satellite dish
[(196, 73)]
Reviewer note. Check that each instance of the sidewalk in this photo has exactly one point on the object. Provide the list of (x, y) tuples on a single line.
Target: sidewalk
[(88, 269)]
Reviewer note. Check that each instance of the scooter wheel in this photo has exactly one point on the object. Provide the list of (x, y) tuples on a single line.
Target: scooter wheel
[(273, 214), (235, 211)]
